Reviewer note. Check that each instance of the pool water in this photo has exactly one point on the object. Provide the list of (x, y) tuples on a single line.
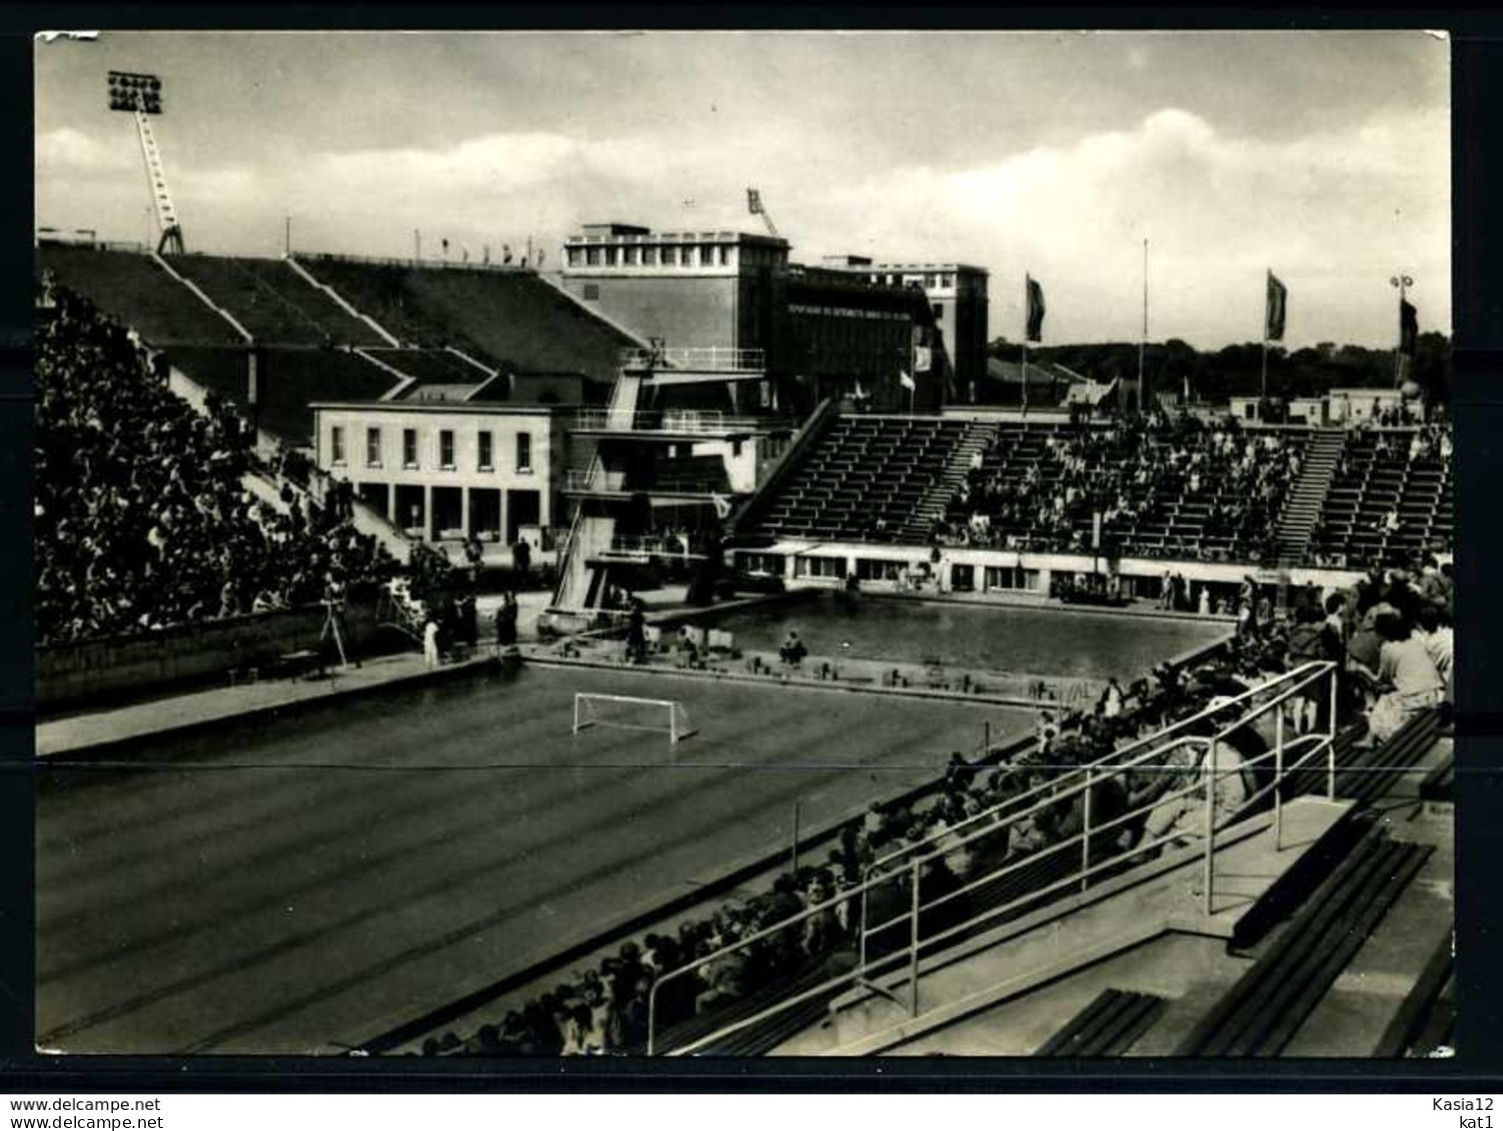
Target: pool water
[(1002, 638)]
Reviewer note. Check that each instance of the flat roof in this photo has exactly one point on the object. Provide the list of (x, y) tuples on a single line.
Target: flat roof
[(487, 408), (592, 237)]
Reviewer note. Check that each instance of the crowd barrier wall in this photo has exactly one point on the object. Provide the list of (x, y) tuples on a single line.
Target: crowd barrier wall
[(93, 672)]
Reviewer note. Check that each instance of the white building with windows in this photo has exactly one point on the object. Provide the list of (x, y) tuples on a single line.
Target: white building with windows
[(444, 470)]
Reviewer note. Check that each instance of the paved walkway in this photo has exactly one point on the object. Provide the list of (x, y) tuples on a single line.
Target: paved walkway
[(218, 704)]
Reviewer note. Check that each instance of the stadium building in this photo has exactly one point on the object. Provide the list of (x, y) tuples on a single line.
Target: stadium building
[(822, 331)]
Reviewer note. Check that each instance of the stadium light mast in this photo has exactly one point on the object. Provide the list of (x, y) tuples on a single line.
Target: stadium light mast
[(141, 95), (755, 206)]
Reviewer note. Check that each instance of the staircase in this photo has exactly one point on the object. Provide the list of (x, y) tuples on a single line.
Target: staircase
[(917, 526), (1305, 501), (581, 586)]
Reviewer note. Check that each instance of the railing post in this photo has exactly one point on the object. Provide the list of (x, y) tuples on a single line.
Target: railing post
[(652, 1015), (1085, 843), (862, 926), (1210, 779), (1278, 780), (1331, 745), (913, 941)]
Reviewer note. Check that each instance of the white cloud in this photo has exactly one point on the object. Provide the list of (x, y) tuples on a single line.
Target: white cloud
[(1328, 212), (74, 151), (1334, 214)]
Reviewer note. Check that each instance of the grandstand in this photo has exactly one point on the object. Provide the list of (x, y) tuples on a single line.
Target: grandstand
[(877, 478), (290, 379), (134, 288), (1186, 493), (1382, 474), (274, 302), (509, 318)]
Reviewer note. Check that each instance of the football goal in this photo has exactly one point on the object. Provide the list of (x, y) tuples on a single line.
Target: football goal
[(627, 712)]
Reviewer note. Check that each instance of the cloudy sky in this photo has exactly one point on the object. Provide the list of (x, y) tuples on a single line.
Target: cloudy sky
[(1324, 156)]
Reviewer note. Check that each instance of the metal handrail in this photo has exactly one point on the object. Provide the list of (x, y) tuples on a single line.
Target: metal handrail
[(1206, 773), (1156, 739), (694, 357), (708, 421)]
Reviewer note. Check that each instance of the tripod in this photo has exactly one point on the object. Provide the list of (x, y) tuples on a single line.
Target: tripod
[(331, 628)]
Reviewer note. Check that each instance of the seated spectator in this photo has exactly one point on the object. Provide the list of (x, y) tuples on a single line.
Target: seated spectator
[(1407, 680)]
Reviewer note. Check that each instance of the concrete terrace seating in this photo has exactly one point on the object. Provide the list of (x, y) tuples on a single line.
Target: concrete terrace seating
[(273, 302), (132, 288), (865, 480), (508, 318), (1378, 476), (1261, 1013), (295, 377), (1108, 1026)]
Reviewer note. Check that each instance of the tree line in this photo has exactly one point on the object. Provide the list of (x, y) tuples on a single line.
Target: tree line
[(1235, 370)]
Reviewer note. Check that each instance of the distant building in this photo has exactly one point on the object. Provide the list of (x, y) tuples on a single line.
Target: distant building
[(957, 294), (824, 331)]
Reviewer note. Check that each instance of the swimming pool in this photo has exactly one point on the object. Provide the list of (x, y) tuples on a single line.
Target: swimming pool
[(1005, 638)]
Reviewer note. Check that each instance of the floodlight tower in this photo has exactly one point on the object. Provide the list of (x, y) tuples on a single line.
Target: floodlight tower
[(755, 206), (141, 95)]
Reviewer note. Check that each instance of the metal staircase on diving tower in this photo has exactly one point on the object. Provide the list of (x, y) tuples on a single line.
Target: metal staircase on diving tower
[(1307, 499), (581, 584)]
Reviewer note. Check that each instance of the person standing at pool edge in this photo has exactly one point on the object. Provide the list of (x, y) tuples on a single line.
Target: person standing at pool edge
[(430, 643)]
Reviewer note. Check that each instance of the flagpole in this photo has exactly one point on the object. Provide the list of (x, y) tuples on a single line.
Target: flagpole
[(1025, 371), (1403, 282), (1263, 379), (1143, 341)]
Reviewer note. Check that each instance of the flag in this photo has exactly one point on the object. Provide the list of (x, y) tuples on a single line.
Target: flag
[(754, 202), (1408, 327), (1278, 296), (1035, 310), (905, 380)]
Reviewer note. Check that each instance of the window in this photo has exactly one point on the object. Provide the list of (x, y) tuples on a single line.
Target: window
[(707, 255), (524, 452), (591, 292), (446, 449), (373, 447), (483, 443), (409, 448), (336, 444), (574, 257), (947, 280), (761, 563), (871, 569), (670, 257), (1012, 577), (612, 256), (634, 257), (939, 310), (686, 256), (650, 256), (592, 256), (808, 566)]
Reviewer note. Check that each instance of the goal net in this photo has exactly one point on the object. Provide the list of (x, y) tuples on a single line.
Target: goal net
[(627, 712)]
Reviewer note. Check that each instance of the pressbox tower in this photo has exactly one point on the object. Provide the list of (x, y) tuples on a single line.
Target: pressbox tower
[(141, 95)]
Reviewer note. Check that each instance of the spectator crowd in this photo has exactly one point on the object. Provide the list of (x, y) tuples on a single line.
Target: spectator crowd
[(1133, 473), (143, 516), (1390, 636)]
